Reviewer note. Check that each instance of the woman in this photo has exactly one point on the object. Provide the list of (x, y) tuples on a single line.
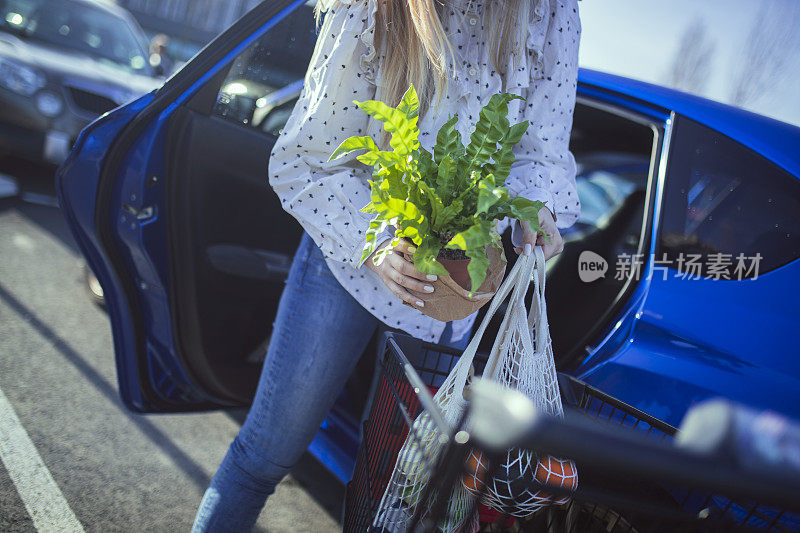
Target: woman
[(458, 55)]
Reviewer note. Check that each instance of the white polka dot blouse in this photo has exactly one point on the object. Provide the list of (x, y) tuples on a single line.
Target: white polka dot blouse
[(326, 197)]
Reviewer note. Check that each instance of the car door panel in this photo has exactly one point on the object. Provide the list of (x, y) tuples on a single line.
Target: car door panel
[(231, 245), (130, 225), (77, 180)]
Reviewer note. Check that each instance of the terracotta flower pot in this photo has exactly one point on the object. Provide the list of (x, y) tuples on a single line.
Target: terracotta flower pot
[(451, 299), (458, 270)]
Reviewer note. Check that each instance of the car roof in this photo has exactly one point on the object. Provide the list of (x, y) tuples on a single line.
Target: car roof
[(773, 139)]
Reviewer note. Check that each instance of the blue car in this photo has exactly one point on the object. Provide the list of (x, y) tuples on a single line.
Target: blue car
[(676, 285)]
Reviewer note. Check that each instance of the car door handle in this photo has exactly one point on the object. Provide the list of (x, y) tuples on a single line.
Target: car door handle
[(251, 263), (142, 214)]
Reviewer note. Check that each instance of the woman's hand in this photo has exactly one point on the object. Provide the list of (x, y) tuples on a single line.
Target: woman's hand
[(400, 274), (548, 225)]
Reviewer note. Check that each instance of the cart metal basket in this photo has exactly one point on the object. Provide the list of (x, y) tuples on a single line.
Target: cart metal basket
[(629, 482)]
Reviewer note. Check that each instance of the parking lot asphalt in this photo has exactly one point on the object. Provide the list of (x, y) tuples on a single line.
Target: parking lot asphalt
[(117, 471)]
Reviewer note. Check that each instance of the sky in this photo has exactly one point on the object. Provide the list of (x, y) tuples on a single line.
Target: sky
[(640, 39)]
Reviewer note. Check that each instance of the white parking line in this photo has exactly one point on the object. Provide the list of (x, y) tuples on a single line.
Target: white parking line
[(42, 498)]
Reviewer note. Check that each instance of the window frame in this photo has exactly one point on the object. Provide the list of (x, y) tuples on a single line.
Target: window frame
[(205, 99), (604, 329)]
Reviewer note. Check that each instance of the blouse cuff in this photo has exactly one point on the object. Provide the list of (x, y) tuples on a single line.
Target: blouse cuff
[(526, 180), (540, 194)]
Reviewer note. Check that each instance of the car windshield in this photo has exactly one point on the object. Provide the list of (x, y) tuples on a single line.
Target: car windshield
[(76, 26)]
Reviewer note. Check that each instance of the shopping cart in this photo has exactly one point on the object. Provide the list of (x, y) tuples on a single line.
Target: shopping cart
[(634, 475)]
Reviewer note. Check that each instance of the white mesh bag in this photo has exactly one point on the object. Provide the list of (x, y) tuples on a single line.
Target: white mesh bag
[(521, 358)]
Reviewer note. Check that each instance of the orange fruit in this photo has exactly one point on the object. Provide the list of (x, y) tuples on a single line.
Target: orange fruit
[(475, 475), (548, 471), (557, 473)]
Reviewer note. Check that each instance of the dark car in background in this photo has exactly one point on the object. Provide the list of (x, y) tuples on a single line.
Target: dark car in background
[(63, 63)]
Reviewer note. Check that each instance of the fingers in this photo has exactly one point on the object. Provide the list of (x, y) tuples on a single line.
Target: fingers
[(526, 249), (528, 239), (406, 275), (553, 244), (554, 247), (404, 295), (550, 249), (400, 275), (407, 268), (410, 283), (403, 263), (405, 247)]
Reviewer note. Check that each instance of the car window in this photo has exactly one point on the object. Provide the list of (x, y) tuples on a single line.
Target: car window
[(732, 210), (603, 191), (611, 187), (264, 82), (78, 27)]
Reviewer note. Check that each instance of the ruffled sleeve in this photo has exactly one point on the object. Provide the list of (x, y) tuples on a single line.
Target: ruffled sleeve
[(537, 35), (366, 60), (326, 197), (545, 168)]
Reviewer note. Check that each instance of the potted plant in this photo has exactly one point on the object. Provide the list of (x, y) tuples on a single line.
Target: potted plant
[(447, 202)]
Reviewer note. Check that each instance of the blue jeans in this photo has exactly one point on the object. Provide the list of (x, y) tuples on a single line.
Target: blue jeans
[(319, 333)]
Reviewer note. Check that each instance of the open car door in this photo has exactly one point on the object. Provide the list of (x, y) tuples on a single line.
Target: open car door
[(168, 198)]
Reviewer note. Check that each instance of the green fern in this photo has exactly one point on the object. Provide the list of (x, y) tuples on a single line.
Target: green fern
[(450, 198)]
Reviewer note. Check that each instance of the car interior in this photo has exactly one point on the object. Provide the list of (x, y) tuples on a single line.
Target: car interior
[(232, 243), (614, 155)]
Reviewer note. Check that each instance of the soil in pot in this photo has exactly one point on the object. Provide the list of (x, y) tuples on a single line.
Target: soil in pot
[(456, 261)]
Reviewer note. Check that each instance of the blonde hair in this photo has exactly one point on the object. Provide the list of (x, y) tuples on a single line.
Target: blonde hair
[(414, 46)]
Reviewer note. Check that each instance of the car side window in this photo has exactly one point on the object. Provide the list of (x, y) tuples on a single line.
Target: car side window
[(264, 82), (727, 206)]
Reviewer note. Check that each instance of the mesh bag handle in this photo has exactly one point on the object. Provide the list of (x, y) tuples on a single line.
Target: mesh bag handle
[(522, 359), (514, 287), (513, 348), (538, 311)]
